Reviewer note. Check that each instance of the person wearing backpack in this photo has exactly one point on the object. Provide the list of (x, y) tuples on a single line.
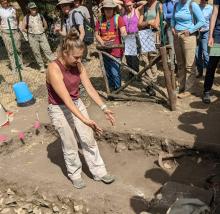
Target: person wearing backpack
[(81, 20), (109, 31), (62, 26), (150, 19), (186, 21), (214, 51), (35, 26), (80, 8)]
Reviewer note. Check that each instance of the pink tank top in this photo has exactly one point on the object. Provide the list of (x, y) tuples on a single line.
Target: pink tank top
[(131, 23), (71, 79)]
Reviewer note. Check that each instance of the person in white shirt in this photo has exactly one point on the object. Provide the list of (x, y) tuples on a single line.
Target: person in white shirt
[(8, 13), (34, 24)]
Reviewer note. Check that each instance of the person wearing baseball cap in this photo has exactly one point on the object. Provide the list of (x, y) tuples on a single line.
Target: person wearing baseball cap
[(35, 25), (109, 30)]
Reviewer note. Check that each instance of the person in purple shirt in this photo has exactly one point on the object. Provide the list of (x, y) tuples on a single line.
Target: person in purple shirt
[(131, 19), (168, 7)]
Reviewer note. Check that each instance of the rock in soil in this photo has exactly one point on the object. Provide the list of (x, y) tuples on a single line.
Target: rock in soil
[(120, 147)]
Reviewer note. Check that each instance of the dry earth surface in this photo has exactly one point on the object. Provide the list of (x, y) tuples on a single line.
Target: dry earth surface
[(33, 175)]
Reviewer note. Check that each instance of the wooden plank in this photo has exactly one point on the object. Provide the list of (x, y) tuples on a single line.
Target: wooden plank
[(104, 72), (167, 75), (155, 59)]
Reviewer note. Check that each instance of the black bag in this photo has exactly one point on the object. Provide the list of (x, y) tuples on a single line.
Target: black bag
[(89, 32)]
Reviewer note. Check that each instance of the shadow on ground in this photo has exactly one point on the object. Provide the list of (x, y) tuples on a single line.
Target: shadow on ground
[(55, 155)]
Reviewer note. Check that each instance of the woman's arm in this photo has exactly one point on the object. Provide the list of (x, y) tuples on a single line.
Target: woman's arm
[(137, 11), (141, 23), (45, 24), (212, 24), (200, 20), (123, 31), (24, 25), (156, 22), (93, 93), (99, 39), (56, 81)]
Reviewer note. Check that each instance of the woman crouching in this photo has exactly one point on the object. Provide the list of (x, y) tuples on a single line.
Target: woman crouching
[(69, 115)]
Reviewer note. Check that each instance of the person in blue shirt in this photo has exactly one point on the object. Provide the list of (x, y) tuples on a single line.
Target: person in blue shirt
[(186, 21), (202, 55), (168, 7), (214, 51)]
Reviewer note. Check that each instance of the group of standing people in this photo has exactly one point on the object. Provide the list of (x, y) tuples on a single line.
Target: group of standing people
[(187, 28), (191, 35), (33, 25)]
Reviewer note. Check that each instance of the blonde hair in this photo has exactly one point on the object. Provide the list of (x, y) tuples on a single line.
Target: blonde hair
[(71, 41)]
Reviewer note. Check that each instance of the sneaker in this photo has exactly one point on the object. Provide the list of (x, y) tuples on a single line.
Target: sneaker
[(150, 90), (79, 183), (206, 98), (107, 179)]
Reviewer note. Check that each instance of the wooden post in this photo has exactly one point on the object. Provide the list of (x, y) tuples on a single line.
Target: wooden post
[(173, 79), (155, 59), (104, 72), (147, 79), (167, 75)]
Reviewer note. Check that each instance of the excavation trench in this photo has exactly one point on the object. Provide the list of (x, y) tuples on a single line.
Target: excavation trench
[(151, 173)]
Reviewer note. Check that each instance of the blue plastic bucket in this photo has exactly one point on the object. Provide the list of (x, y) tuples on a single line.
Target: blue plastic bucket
[(23, 95)]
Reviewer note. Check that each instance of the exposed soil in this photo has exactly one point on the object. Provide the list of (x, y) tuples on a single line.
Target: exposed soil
[(38, 166), (33, 172)]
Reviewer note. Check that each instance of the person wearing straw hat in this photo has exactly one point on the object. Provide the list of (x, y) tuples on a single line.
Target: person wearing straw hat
[(109, 31), (7, 12), (35, 25), (62, 26)]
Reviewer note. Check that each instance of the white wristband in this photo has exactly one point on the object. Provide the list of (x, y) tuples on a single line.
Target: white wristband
[(103, 107)]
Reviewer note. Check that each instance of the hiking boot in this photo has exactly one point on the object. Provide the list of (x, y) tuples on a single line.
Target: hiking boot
[(107, 179), (150, 90), (79, 183), (206, 98)]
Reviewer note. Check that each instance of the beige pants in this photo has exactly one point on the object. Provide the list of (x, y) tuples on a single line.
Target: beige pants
[(38, 42), (8, 45), (185, 49), (71, 130)]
